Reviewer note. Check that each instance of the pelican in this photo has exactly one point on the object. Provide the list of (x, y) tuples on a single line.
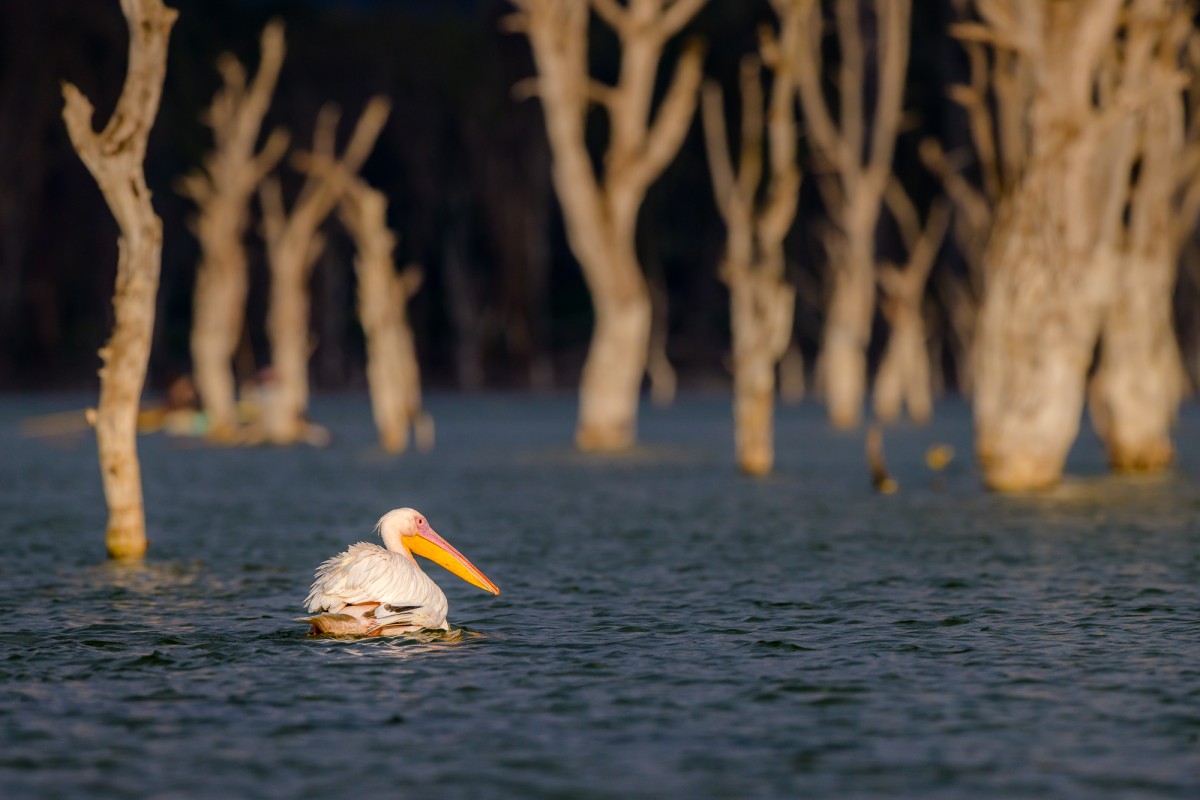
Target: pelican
[(370, 590)]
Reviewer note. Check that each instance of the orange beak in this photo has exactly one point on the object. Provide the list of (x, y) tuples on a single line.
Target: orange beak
[(426, 543)]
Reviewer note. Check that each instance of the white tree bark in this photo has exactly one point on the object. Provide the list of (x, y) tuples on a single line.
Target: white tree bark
[(115, 157)]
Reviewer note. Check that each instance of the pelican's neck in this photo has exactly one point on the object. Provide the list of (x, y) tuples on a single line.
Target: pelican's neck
[(394, 542)]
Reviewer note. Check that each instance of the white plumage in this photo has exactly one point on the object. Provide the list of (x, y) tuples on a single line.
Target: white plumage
[(370, 590)]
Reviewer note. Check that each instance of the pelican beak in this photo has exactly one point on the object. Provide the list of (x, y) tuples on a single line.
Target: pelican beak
[(426, 542)]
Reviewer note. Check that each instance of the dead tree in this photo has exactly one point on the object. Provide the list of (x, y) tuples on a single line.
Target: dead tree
[(222, 190), (761, 302), (393, 373), (1050, 265), (293, 244), (115, 158), (996, 101), (853, 157), (601, 208), (903, 378), (1137, 386)]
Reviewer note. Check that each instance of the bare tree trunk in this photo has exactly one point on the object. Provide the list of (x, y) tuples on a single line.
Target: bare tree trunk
[(761, 302), (292, 247), (1051, 265), (854, 155), (843, 357), (616, 360), (392, 370), (1137, 387), (222, 190), (601, 211), (115, 158)]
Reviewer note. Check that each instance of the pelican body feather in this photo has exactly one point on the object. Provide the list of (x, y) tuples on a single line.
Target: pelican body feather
[(369, 575)]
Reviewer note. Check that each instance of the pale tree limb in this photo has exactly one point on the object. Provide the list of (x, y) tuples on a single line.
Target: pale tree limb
[(115, 158)]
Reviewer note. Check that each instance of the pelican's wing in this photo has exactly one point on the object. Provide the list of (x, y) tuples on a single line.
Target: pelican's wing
[(365, 573)]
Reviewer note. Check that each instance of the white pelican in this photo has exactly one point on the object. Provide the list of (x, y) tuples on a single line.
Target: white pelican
[(380, 591)]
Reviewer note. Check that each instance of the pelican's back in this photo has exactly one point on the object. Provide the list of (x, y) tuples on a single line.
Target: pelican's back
[(366, 574)]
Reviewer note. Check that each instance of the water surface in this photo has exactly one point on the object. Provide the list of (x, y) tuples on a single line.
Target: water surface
[(666, 627)]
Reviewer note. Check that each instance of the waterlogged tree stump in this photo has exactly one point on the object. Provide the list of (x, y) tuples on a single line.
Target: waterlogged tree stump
[(115, 158)]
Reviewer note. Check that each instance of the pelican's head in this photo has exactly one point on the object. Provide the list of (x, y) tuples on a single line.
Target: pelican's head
[(405, 530)]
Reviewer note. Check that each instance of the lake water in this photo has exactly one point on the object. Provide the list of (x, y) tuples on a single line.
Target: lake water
[(667, 628)]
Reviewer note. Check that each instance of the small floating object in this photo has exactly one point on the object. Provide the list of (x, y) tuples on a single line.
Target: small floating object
[(881, 479), (370, 590), (938, 456)]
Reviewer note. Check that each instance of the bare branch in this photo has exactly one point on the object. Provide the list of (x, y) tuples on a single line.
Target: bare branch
[(893, 17), (720, 167), (676, 15), (750, 161), (613, 13), (674, 117), (827, 139)]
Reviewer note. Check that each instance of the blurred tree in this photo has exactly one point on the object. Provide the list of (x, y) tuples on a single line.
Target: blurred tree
[(1050, 264), (393, 375), (601, 210), (293, 244), (903, 377), (222, 190), (853, 167), (115, 158), (1139, 380), (761, 302)]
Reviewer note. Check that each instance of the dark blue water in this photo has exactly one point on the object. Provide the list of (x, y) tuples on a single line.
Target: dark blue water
[(667, 628)]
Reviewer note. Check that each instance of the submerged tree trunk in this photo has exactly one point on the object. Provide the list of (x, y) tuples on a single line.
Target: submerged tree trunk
[(222, 191), (843, 358), (1137, 387), (115, 158), (293, 244), (855, 162), (761, 302), (392, 370), (616, 359), (600, 210), (1051, 264)]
